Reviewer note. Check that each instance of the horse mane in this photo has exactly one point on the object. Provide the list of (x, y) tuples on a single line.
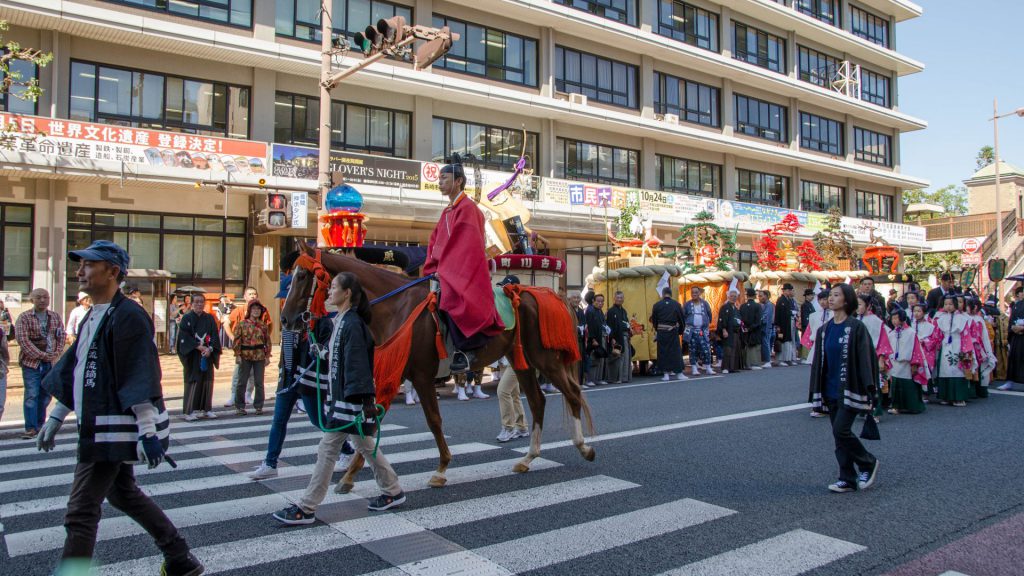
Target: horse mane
[(375, 280)]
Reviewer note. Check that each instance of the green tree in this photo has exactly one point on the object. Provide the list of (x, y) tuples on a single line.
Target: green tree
[(952, 198), (11, 80), (986, 155)]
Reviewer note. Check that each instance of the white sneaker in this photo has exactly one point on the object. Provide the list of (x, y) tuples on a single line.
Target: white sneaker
[(478, 393), (588, 385), (1006, 386), (755, 367), (694, 370), (229, 404), (522, 433), (343, 461), (506, 435), (462, 393), (666, 378), (263, 472), (725, 371), (192, 417), (766, 365), (211, 415), (709, 371)]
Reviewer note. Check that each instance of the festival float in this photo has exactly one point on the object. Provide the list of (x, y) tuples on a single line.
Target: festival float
[(639, 269)]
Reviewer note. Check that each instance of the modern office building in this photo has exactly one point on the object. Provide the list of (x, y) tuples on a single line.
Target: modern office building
[(748, 108)]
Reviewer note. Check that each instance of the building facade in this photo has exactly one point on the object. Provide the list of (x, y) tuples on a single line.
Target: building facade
[(750, 108)]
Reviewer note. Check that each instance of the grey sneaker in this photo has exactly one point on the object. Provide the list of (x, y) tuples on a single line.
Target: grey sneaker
[(294, 516), (522, 433), (506, 435), (383, 502), (263, 472)]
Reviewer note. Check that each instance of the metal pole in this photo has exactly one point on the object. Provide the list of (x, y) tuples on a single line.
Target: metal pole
[(326, 32), (995, 153)]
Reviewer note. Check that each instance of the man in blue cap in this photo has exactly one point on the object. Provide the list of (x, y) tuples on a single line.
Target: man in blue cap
[(110, 377)]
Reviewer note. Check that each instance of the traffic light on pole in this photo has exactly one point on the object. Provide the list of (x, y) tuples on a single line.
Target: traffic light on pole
[(276, 212), (392, 29), (434, 48), (369, 41)]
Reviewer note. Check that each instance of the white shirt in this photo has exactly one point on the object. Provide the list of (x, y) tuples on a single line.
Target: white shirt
[(86, 334), (75, 318)]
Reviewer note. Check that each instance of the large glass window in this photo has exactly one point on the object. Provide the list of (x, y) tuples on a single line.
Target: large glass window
[(195, 249), (821, 134), (688, 24), (489, 53), (869, 27), (16, 247), (598, 78), (301, 18), (759, 48), (688, 176), (759, 118), (588, 162), (761, 188), (874, 88), (816, 67), (872, 147), (493, 147), (691, 101), (618, 10), (12, 100), (354, 127), (231, 12), (874, 206), (818, 197), (824, 10), (111, 95)]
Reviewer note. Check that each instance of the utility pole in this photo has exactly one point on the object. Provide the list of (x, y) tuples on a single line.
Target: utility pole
[(327, 53)]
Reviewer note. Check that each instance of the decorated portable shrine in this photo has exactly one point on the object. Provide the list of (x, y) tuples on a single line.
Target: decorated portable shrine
[(343, 224), (639, 268)]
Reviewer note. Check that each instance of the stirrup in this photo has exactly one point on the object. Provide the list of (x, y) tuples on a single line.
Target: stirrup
[(460, 362)]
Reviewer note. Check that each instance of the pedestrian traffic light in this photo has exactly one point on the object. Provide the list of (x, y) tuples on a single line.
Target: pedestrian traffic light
[(434, 48), (392, 29), (275, 215)]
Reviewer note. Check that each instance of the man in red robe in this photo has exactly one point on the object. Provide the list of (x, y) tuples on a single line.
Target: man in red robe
[(456, 256)]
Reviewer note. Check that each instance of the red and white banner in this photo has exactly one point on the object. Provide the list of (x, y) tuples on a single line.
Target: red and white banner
[(72, 140)]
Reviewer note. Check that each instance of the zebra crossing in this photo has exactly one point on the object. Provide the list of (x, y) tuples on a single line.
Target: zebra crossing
[(226, 517)]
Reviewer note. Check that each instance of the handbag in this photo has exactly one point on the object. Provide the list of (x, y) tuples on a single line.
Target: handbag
[(870, 429)]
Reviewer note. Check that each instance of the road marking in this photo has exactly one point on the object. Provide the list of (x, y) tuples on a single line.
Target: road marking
[(787, 554), (1006, 392), (564, 544), (674, 426)]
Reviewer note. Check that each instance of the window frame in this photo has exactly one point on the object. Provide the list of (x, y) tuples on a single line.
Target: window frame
[(683, 110), (760, 60), (762, 181), (871, 23), (632, 179), (6, 96), (166, 9), (315, 27), (811, 138), (885, 204), (485, 163), (563, 85), (815, 11), (861, 137), (668, 17), (440, 20), (600, 8), (716, 176), (4, 224), (806, 74), (873, 97), (344, 145), (759, 130), (815, 195)]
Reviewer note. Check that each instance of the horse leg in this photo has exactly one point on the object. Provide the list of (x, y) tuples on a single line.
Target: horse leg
[(573, 396), (424, 385), (347, 482), (528, 384)]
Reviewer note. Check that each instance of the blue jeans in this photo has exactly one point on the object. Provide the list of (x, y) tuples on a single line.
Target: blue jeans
[(767, 342), (3, 391), (36, 399), (283, 406)]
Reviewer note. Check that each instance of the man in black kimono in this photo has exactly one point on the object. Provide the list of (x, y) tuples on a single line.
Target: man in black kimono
[(581, 334), (620, 363), (667, 318), (786, 316), (110, 377), (728, 329), (806, 309), (750, 338), (199, 350), (1015, 359), (597, 341)]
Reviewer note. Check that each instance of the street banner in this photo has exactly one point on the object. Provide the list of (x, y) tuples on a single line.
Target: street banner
[(76, 142), (300, 210), (290, 161)]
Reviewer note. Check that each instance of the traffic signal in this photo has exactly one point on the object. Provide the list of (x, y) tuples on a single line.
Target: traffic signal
[(369, 41), (392, 29), (275, 215), (432, 49)]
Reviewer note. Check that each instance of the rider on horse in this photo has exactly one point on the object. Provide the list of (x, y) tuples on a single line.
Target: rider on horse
[(456, 256)]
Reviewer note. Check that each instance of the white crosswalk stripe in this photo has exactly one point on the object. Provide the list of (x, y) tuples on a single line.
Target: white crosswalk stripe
[(34, 529)]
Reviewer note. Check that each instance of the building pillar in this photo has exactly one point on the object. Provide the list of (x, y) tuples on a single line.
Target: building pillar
[(423, 128), (728, 109), (49, 231), (647, 87), (729, 180), (851, 198), (794, 124), (264, 91), (546, 66), (264, 20), (844, 14), (848, 139), (56, 76), (725, 41), (896, 149), (423, 13), (648, 175), (548, 148), (898, 206), (792, 62), (649, 15), (794, 188)]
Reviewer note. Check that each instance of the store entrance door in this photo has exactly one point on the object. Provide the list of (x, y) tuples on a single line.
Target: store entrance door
[(153, 287)]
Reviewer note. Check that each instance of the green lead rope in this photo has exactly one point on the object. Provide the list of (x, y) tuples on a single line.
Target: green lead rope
[(360, 418)]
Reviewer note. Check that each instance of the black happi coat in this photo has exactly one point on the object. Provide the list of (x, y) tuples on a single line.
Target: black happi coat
[(784, 309), (193, 327), (750, 314), (860, 381), (618, 322), (595, 331), (350, 375), (122, 370), (668, 312)]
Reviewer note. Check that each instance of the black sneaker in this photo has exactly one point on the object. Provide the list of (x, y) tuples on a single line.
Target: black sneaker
[(841, 486), (866, 480), (383, 502), (187, 566), (293, 516)]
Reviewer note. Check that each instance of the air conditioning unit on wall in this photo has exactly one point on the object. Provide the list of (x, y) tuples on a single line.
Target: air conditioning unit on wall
[(580, 99)]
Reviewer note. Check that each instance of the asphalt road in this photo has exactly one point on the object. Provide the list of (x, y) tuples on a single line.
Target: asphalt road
[(713, 476)]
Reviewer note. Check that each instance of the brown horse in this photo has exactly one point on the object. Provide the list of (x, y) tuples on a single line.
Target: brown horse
[(422, 366)]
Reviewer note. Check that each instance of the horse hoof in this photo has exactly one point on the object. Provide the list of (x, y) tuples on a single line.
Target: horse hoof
[(343, 487), (589, 455), (437, 481), (519, 468)]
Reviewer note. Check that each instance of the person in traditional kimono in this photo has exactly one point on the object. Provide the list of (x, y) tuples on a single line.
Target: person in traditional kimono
[(931, 339), (807, 308), (955, 355), (597, 342), (581, 335), (844, 375), (908, 370), (1015, 358), (1000, 326), (620, 367), (786, 318), (667, 318), (983, 353), (697, 325), (750, 338), (729, 329), (199, 350), (818, 318), (767, 327), (880, 342)]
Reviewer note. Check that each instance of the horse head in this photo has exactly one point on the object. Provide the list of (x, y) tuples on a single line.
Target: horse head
[(300, 291)]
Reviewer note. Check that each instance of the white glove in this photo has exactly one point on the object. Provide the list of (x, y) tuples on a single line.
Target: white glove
[(48, 434)]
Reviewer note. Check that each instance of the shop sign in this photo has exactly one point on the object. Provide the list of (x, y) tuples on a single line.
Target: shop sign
[(300, 210), (892, 232), (754, 217), (302, 162), (10, 299), (84, 141)]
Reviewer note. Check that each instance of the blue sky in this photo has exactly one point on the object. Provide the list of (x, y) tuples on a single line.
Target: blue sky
[(972, 52)]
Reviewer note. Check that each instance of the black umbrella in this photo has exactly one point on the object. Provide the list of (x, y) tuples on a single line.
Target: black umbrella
[(190, 290)]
